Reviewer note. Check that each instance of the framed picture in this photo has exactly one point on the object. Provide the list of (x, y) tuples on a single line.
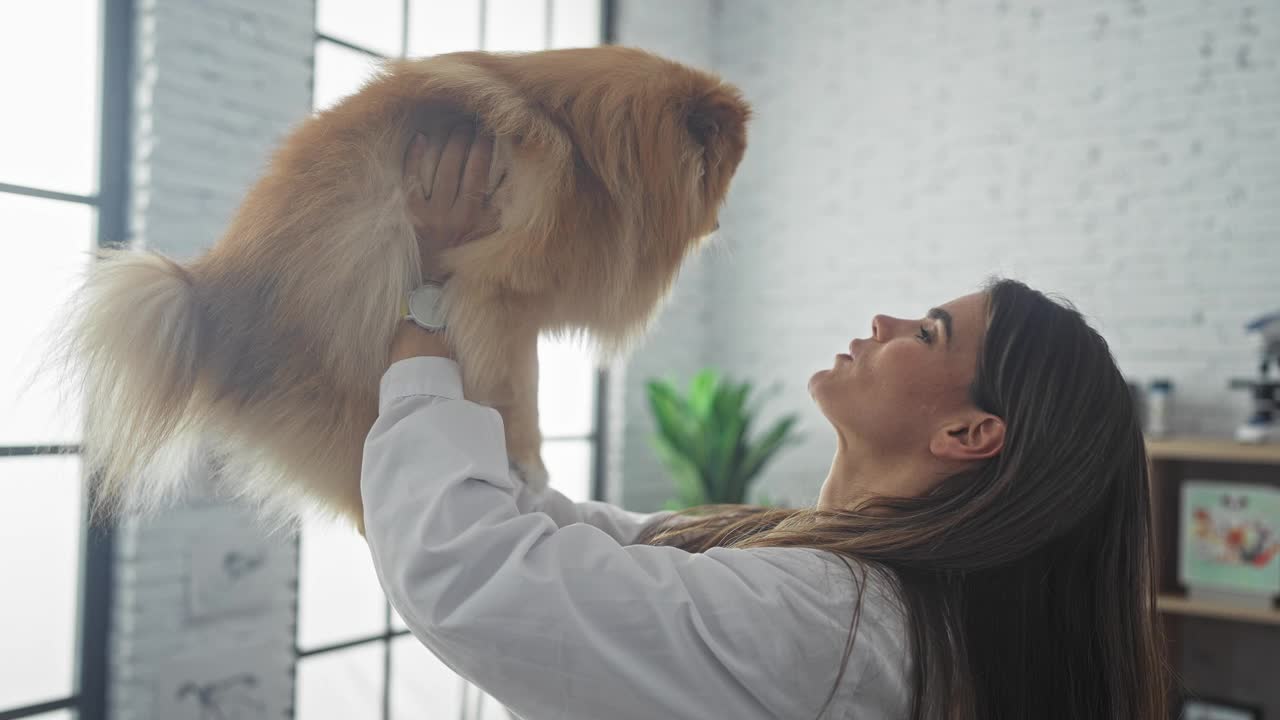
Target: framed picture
[(1203, 708), (1230, 539)]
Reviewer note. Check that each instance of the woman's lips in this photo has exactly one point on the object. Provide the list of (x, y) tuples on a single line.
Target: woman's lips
[(853, 351)]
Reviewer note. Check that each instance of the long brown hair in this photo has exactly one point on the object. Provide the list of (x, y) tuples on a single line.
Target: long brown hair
[(1028, 581)]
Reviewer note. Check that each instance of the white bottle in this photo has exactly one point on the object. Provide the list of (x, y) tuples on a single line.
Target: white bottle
[(1159, 399)]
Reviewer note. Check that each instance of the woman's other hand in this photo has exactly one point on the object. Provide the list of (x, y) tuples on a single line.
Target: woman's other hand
[(447, 181), (446, 178)]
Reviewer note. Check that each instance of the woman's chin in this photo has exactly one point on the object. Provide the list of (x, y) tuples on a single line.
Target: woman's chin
[(816, 379)]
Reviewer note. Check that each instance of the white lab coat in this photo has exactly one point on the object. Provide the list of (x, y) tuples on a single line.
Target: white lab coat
[(542, 602)]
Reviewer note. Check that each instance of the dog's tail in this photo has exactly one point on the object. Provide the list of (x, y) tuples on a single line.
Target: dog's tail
[(133, 345)]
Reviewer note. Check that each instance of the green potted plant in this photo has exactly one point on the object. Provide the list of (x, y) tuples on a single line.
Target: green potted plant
[(704, 438)]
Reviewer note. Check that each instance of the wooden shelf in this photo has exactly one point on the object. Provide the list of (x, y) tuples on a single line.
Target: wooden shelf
[(1197, 608), (1213, 450)]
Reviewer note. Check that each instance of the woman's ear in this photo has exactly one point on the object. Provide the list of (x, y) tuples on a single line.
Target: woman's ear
[(977, 437)]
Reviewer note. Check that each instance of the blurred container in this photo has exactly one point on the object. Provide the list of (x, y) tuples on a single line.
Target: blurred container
[(1159, 407)]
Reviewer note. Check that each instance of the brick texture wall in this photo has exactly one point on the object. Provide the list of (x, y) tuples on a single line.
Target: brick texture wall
[(1122, 154), (217, 82)]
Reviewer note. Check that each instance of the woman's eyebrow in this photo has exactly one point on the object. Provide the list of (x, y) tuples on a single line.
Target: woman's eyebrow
[(945, 317)]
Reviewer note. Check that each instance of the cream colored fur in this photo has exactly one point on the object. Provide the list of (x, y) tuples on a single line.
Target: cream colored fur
[(268, 349)]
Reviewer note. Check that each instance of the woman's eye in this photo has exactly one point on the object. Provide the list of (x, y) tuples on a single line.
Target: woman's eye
[(925, 335)]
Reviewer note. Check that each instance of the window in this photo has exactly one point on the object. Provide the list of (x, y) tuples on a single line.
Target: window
[(355, 657), (62, 182)]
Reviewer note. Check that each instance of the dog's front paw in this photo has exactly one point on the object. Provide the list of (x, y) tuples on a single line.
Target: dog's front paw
[(534, 474)]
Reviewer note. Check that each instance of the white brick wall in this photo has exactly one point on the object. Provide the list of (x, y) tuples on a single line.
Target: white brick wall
[(217, 84), (1123, 154)]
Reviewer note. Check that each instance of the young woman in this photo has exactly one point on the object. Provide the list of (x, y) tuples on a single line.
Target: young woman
[(981, 547)]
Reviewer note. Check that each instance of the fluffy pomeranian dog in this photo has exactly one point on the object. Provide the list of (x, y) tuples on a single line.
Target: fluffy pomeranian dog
[(610, 166)]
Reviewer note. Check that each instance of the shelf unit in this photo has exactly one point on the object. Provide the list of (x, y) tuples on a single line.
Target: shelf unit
[(1210, 642), (1212, 450), (1182, 606)]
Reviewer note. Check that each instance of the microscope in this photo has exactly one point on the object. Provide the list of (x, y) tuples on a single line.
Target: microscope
[(1263, 425)]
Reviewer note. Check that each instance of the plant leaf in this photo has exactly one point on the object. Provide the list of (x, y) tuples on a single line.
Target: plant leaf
[(704, 438), (763, 450), (684, 474), (726, 426), (671, 415), (702, 390)]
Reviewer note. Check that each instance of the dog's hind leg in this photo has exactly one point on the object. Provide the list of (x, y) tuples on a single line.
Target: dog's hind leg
[(520, 416)]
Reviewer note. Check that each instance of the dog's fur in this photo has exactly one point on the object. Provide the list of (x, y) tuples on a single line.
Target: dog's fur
[(271, 345)]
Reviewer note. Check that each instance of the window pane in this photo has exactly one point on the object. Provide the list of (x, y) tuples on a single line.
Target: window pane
[(338, 593), (488, 708), (44, 250), (341, 685), (566, 388), (575, 23), (512, 25), (40, 519), (421, 686), (372, 24), (436, 27), (339, 72), (48, 131), (569, 465)]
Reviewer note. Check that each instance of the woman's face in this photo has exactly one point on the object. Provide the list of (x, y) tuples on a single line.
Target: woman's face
[(900, 399)]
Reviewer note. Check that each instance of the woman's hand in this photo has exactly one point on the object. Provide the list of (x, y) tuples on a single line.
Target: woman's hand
[(447, 181), (446, 177)]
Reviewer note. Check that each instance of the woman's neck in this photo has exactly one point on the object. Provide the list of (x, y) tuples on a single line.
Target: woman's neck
[(859, 473)]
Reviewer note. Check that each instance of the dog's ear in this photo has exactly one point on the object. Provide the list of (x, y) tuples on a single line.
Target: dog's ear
[(719, 114), (717, 121)]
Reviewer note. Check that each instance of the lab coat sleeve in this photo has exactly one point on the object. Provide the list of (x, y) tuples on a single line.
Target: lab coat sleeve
[(563, 620), (619, 524)]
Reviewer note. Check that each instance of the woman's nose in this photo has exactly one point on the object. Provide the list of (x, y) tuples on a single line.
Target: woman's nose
[(882, 327), (878, 325)]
